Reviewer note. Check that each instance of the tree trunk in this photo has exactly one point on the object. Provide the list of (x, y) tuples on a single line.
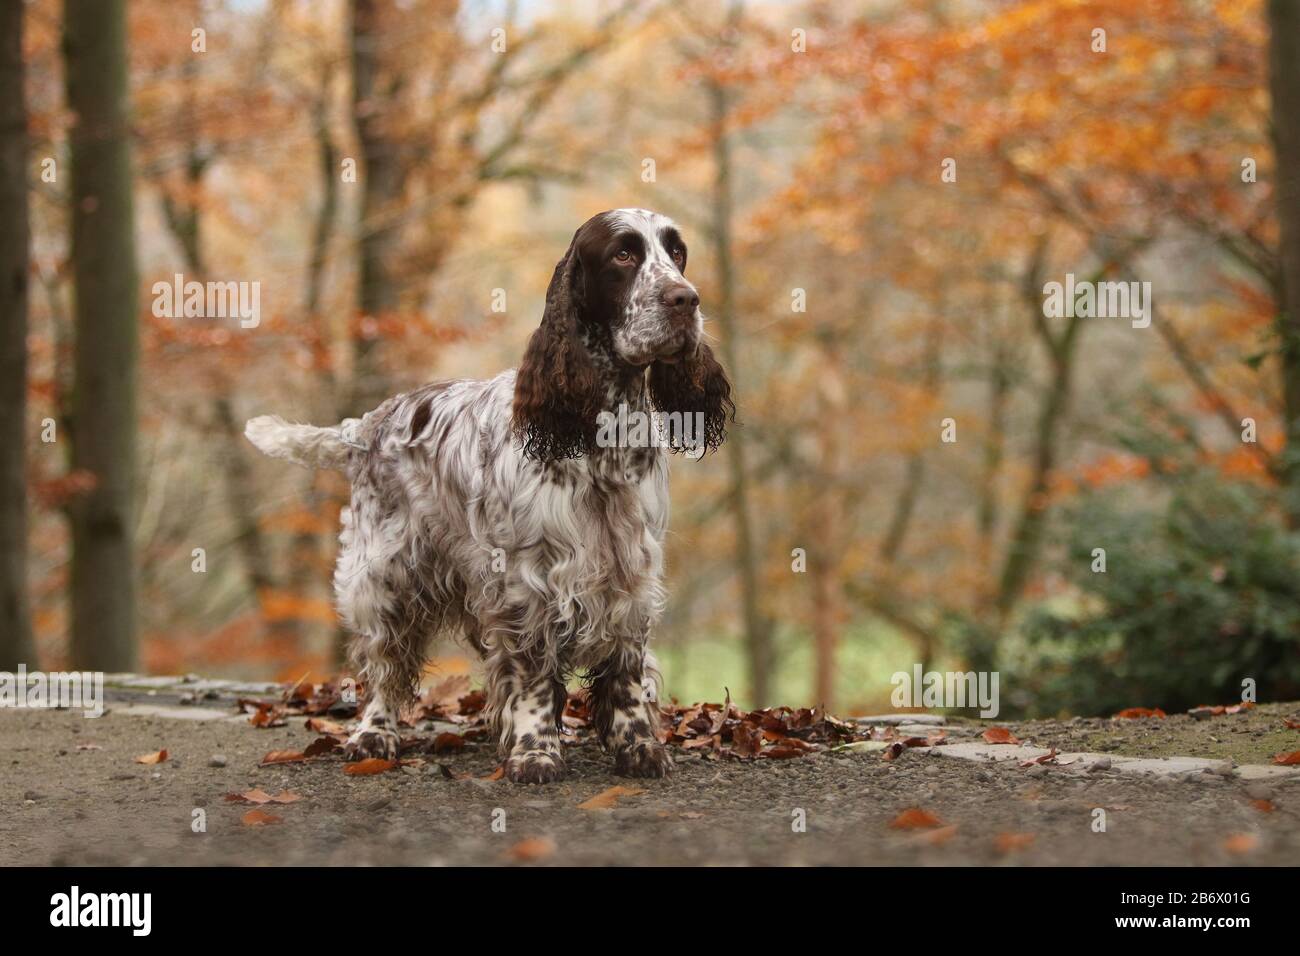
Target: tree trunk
[(16, 645), (104, 281), (1027, 536), (373, 90), (1284, 84), (909, 493), (999, 385), (758, 631), (307, 552), (829, 511)]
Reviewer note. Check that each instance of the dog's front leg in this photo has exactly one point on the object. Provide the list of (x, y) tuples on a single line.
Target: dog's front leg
[(527, 704), (626, 714), (376, 735)]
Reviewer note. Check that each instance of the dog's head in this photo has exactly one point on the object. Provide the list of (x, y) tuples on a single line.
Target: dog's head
[(618, 302)]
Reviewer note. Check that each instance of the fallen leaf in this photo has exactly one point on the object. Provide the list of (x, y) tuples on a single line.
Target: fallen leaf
[(369, 767), (442, 698), (284, 756), (1291, 724), (259, 818), (1013, 842), (496, 774), (1263, 806), (1132, 713), (746, 740), (861, 747), (606, 799), (915, 818), (1000, 735), (783, 751), (1286, 759), (937, 837), (321, 746), (893, 750), (1240, 843), (448, 743), (266, 717), (531, 849), (1049, 757), (157, 756), (323, 726), (261, 796)]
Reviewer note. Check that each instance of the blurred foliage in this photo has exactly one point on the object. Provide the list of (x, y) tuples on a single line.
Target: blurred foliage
[(920, 303), (1198, 595)]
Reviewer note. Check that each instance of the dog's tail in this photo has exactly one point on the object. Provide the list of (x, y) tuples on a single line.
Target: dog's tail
[(304, 445)]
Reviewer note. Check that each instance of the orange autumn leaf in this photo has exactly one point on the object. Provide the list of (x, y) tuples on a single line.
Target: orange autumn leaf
[(1013, 842), (937, 837), (1000, 735), (1114, 468), (1288, 759), (532, 849), (284, 756), (1132, 713), (605, 800), (322, 726), (1291, 724), (259, 818), (1263, 806), (1240, 843), (261, 796), (369, 767), (266, 717), (496, 774), (157, 756), (915, 818), (1049, 757)]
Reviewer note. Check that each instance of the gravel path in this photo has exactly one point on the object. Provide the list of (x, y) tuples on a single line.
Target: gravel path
[(73, 794)]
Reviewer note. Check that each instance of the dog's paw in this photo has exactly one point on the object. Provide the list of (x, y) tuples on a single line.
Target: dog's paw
[(646, 758), (534, 766), (372, 743)]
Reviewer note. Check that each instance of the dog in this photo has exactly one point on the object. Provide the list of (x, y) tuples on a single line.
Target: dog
[(493, 511)]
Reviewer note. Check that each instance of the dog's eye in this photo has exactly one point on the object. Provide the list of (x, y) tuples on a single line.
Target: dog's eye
[(623, 255), (679, 255)]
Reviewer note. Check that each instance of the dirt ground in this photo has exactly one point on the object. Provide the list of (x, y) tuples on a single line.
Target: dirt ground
[(73, 794)]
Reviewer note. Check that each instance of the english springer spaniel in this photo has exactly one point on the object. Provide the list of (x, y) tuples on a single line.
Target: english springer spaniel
[(497, 510)]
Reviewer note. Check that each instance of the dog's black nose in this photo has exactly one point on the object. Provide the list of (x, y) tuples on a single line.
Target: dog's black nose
[(681, 298)]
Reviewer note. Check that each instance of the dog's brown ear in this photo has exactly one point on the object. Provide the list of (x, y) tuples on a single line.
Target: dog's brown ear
[(557, 389), (696, 384)]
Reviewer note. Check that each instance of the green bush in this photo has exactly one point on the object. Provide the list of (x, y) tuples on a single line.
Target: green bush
[(1197, 596)]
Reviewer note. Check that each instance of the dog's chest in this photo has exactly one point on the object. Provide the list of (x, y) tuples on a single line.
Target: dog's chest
[(602, 524)]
